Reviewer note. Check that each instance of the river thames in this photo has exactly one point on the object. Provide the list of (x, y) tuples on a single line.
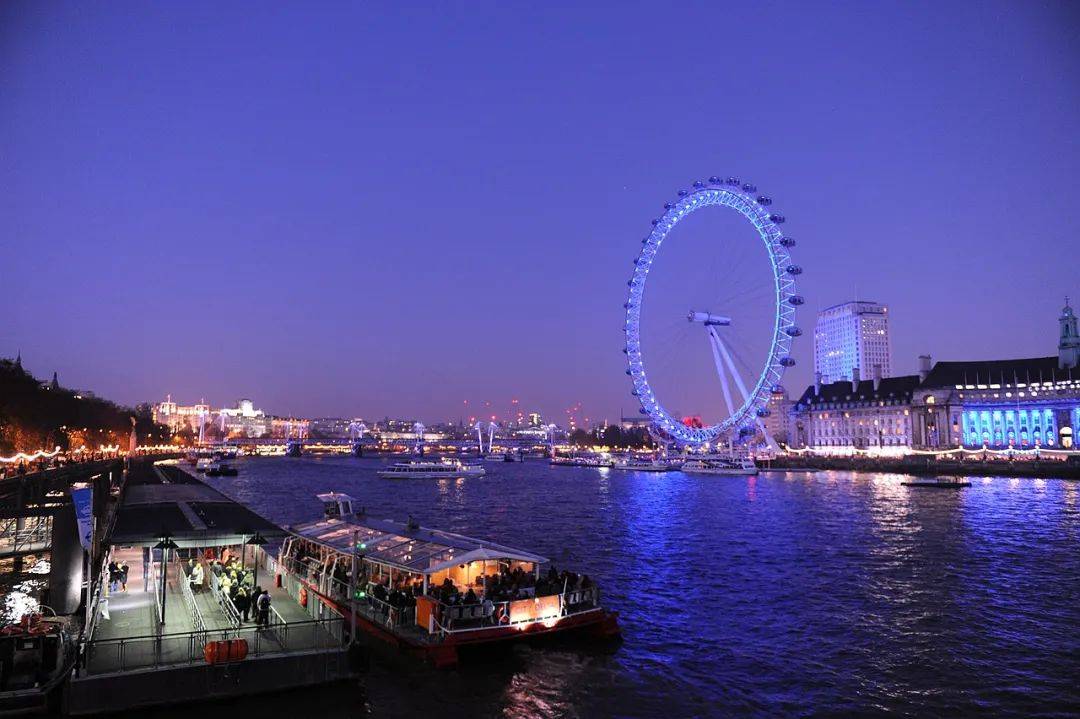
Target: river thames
[(786, 594)]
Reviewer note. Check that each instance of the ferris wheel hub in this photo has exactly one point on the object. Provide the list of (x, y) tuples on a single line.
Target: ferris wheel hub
[(708, 319)]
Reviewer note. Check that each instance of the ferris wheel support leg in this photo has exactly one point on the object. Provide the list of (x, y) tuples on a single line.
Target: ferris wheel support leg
[(769, 440), (714, 341), (731, 365)]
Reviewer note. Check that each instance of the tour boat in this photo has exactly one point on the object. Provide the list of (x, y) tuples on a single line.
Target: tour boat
[(423, 469), (730, 465), (414, 564), (583, 460), (646, 465), (203, 464), (220, 469), (500, 457)]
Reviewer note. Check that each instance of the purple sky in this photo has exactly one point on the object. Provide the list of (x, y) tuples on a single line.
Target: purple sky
[(374, 210)]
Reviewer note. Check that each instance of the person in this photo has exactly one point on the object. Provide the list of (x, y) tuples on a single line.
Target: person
[(262, 605), (470, 596), (243, 603), (196, 577), (123, 575), (114, 575)]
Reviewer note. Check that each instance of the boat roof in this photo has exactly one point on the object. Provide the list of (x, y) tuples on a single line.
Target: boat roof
[(408, 547)]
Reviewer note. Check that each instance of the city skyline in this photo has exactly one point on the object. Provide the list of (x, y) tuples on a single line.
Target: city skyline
[(284, 251)]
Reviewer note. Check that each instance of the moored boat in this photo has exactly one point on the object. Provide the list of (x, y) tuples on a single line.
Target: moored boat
[(220, 469), (583, 460), (646, 465), (434, 593), (724, 465), (425, 469)]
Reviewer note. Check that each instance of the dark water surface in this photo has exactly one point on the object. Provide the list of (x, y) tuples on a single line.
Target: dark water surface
[(788, 594)]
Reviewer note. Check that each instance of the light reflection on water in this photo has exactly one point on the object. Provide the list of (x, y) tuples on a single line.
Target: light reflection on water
[(788, 593)]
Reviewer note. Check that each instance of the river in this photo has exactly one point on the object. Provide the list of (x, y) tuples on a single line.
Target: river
[(823, 594)]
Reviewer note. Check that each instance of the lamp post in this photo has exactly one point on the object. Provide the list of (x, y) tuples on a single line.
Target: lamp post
[(357, 593), (257, 540), (165, 545)]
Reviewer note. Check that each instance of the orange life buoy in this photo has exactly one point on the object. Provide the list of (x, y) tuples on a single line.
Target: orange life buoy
[(230, 650), (303, 597)]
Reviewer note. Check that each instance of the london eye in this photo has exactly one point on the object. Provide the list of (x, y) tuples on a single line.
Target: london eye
[(743, 309)]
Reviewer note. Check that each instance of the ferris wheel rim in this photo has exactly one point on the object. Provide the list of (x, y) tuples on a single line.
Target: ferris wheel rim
[(741, 198)]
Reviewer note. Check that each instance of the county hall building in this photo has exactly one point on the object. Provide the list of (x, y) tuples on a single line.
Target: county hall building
[(994, 404)]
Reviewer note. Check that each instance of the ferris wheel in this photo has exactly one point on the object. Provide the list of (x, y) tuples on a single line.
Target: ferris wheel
[(746, 402)]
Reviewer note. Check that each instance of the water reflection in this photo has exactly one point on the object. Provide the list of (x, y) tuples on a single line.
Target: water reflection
[(788, 594)]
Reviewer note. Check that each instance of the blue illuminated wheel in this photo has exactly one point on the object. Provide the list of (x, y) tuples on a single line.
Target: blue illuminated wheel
[(748, 406)]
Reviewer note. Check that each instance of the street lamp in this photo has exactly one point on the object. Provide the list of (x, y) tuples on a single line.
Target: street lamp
[(165, 545), (256, 540)]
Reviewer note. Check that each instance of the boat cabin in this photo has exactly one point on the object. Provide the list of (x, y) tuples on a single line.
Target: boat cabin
[(425, 581)]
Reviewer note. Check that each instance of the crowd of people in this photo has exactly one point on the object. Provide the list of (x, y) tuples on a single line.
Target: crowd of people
[(237, 583), (505, 586)]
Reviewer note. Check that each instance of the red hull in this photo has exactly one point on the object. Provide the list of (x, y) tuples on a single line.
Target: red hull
[(599, 624)]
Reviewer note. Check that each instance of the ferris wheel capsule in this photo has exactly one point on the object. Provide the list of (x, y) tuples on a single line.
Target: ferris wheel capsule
[(763, 200), (787, 241), (733, 181), (698, 184), (793, 331), (749, 188), (714, 180), (778, 219), (795, 300), (787, 361), (793, 270), (681, 193)]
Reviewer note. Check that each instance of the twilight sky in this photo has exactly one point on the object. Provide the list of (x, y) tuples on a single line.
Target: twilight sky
[(371, 209)]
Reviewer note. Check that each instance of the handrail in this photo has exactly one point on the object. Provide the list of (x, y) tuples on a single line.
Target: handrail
[(228, 608), (189, 598), (148, 650), (230, 631)]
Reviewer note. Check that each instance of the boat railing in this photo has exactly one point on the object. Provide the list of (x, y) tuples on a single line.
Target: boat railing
[(386, 613), (104, 656), (312, 572), (457, 618)]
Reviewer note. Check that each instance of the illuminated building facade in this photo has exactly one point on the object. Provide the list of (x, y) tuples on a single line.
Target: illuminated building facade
[(779, 419), (177, 417), (855, 414), (1002, 404), (849, 336)]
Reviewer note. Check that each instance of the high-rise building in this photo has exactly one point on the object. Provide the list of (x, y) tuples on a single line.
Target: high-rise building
[(852, 339)]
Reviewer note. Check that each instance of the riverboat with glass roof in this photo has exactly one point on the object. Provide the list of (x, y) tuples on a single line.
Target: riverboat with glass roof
[(431, 592)]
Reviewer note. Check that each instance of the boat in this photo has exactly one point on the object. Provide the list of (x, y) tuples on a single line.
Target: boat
[(937, 482), (500, 457), (728, 465), (635, 464), (424, 469), (583, 460), (220, 469), (407, 575), (203, 464)]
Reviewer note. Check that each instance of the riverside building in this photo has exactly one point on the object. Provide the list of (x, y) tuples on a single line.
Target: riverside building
[(852, 335), (1019, 404)]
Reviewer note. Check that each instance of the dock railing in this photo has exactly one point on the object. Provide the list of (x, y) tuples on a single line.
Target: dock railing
[(105, 656)]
